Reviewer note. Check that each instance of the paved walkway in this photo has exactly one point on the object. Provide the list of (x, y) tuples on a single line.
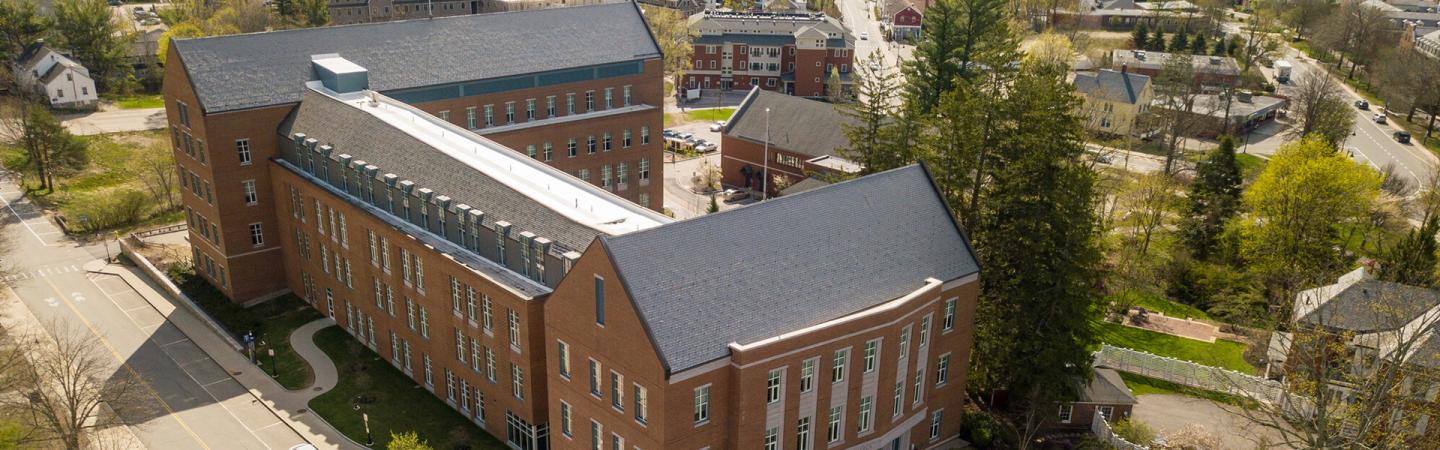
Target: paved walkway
[(292, 407), (115, 121), (1169, 414)]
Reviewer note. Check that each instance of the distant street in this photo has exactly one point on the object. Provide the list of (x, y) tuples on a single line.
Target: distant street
[(190, 402), (115, 121)]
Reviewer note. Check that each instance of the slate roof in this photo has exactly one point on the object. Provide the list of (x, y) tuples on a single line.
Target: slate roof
[(797, 124), (366, 137), (1112, 85), (59, 69), (1365, 304), (787, 263), (1107, 388), (764, 40), (264, 69), (808, 184)]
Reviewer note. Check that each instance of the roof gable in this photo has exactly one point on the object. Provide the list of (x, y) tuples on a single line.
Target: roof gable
[(797, 124), (1125, 87), (804, 259), (266, 69)]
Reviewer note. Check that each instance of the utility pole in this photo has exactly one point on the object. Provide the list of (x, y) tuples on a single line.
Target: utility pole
[(765, 174)]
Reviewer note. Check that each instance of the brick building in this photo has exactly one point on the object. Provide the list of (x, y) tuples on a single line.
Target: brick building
[(346, 12), (855, 334), (905, 18), (593, 111), (1211, 72), (794, 53), (805, 138)]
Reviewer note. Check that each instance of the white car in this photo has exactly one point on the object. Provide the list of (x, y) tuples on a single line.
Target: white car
[(864, 35), (717, 125)]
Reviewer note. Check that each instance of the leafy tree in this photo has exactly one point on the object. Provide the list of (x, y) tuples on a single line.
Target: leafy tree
[(1140, 36), (834, 88), (1214, 199), (20, 25), (1176, 99), (313, 13), (1051, 49), (180, 31), (740, 5), (89, 30), (1181, 42), (1412, 259), (1297, 206), (407, 441), (674, 36), (1318, 106), (50, 150), (869, 131)]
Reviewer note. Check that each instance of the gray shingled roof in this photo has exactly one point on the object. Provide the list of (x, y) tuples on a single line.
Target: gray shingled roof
[(808, 184), (800, 125), (1111, 85), (264, 69), (366, 137), (759, 271), (1107, 388), (1370, 305)]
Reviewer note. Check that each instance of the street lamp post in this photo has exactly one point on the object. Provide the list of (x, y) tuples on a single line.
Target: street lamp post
[(274, 370), (369, 440), (765, 174)]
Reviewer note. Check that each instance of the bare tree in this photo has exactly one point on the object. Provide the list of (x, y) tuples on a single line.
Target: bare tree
[(1176, 96), (1149, 200), (1319, 107), (155, 167), (1356, 30), (71, 389)]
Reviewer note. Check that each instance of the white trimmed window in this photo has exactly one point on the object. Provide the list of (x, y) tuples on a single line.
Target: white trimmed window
[(942, 370), (257, 235), (833, 433), (251, 196), (702, 404), (642, 406), (242, 151), (802, 434), (772, 439), (807, 375), (617, 390), (773, 385), (935, 418), (565, 419), (517, 383), (1065, 412), (562, 352), (872, 351), (837, 371), (864, 420), (950, 314)]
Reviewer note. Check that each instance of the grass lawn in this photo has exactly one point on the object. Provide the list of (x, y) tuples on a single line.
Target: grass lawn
[(1165, 306), (709, 115), (143, 101), (398, 404), (271, 321), (1226, 354), (1143, 385), (1250, 165), (113, 170)]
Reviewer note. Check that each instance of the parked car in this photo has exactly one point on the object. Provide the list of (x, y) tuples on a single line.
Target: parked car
[(1402, 137), (668, 133), (684, 136), (717, 125), (864, 35), (1361, 104), (1379, 118), (731, 195)]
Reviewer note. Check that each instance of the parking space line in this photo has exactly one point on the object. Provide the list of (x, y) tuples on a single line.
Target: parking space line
[(173, 343), (278, 422)]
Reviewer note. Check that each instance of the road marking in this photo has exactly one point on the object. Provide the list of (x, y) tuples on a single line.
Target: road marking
[(278, 422), (206, 385), (23, 222), (173, 343), (128, 368)]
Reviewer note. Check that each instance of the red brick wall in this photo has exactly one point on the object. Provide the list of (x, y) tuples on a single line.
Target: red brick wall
[(907, 17), (738, 153), (810, 72)]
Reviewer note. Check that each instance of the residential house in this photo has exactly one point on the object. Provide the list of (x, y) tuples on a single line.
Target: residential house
[(1105, 394), (1115, 101), (794, 53), (63, 82), (804, 137), (904, 18), (839, 317)]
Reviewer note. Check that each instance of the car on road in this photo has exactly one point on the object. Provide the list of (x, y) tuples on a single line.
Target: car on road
[(1379, 118), (1361, 104), (864, 35), (1402, 137), (706, 147), (733, 195), (717, 125)]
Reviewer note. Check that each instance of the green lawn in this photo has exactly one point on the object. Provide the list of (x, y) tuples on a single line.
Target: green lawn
[(1250, 165), (396, 404), (709, 115), (1166, 306), (271, 321), (1226, 354), (143, 101), (114, 173), (1143, 385)]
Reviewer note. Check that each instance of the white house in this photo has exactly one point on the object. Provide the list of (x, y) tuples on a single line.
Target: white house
[(65, 83)]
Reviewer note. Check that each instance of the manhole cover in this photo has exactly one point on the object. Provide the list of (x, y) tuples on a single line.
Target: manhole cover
[(318, 388), (301, 411)]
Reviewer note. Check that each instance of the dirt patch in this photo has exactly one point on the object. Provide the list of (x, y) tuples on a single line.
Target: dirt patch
[(1160, 323)]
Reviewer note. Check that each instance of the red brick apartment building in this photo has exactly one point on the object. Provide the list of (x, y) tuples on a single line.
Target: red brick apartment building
[(346, 12), (761, 328), (805, 138), (792, 53), (591, 110)]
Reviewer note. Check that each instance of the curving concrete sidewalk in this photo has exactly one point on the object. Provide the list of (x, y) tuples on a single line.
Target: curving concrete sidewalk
[(303, 341)]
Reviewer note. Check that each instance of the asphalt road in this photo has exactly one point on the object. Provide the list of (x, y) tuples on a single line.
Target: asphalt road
[(115, 121), (190, 402)]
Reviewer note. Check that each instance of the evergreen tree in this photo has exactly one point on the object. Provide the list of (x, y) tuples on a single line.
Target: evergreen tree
[(1181, 42), (1214, 199), (1157, 43), (1233, 48), (21, 24), (89, 30), (1412, 259), (1140, 36), (1198, 46), (931, 70), (869, 130), (1220, 48)]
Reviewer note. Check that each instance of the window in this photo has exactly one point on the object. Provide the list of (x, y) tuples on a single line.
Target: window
[(590, 145), (621, 173), (605, 173), (385, 254), (935, 423), (530, 150), (445, 115), (949, 314), (585, 175), (489, 115), (609, 94), (565, 419), (514, 319), (942, 370), (772, 386), (242, 149), (410, 313), (550, 106), (924, 331), (549, 151), (702, 403), (807, 375), (896, 407), (470, 117), (1107, 411), (627, 95), (919, 384), (802, 434), (517, 381), (570, 103), (257, 236), (589, 101), (529, 109), (600, 291), (562, 353), (904, 342), (837, 371), (251, 197), (772, 439), (832, 434), (571, 149), (595, 435), (642, 408), (866, 403), (595, 378), (617, 390), (872, 350), (644, 135), (485, 308), (1065, 411), (509, 113), (606, 141), (490, 364), (459, 345), (625, 138)]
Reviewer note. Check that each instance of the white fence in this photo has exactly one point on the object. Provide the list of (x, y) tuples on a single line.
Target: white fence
[(1101, 428), (1188, 373)]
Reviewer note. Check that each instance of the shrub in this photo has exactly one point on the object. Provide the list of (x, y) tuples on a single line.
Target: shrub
[(90, 213), (1135, 432)]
